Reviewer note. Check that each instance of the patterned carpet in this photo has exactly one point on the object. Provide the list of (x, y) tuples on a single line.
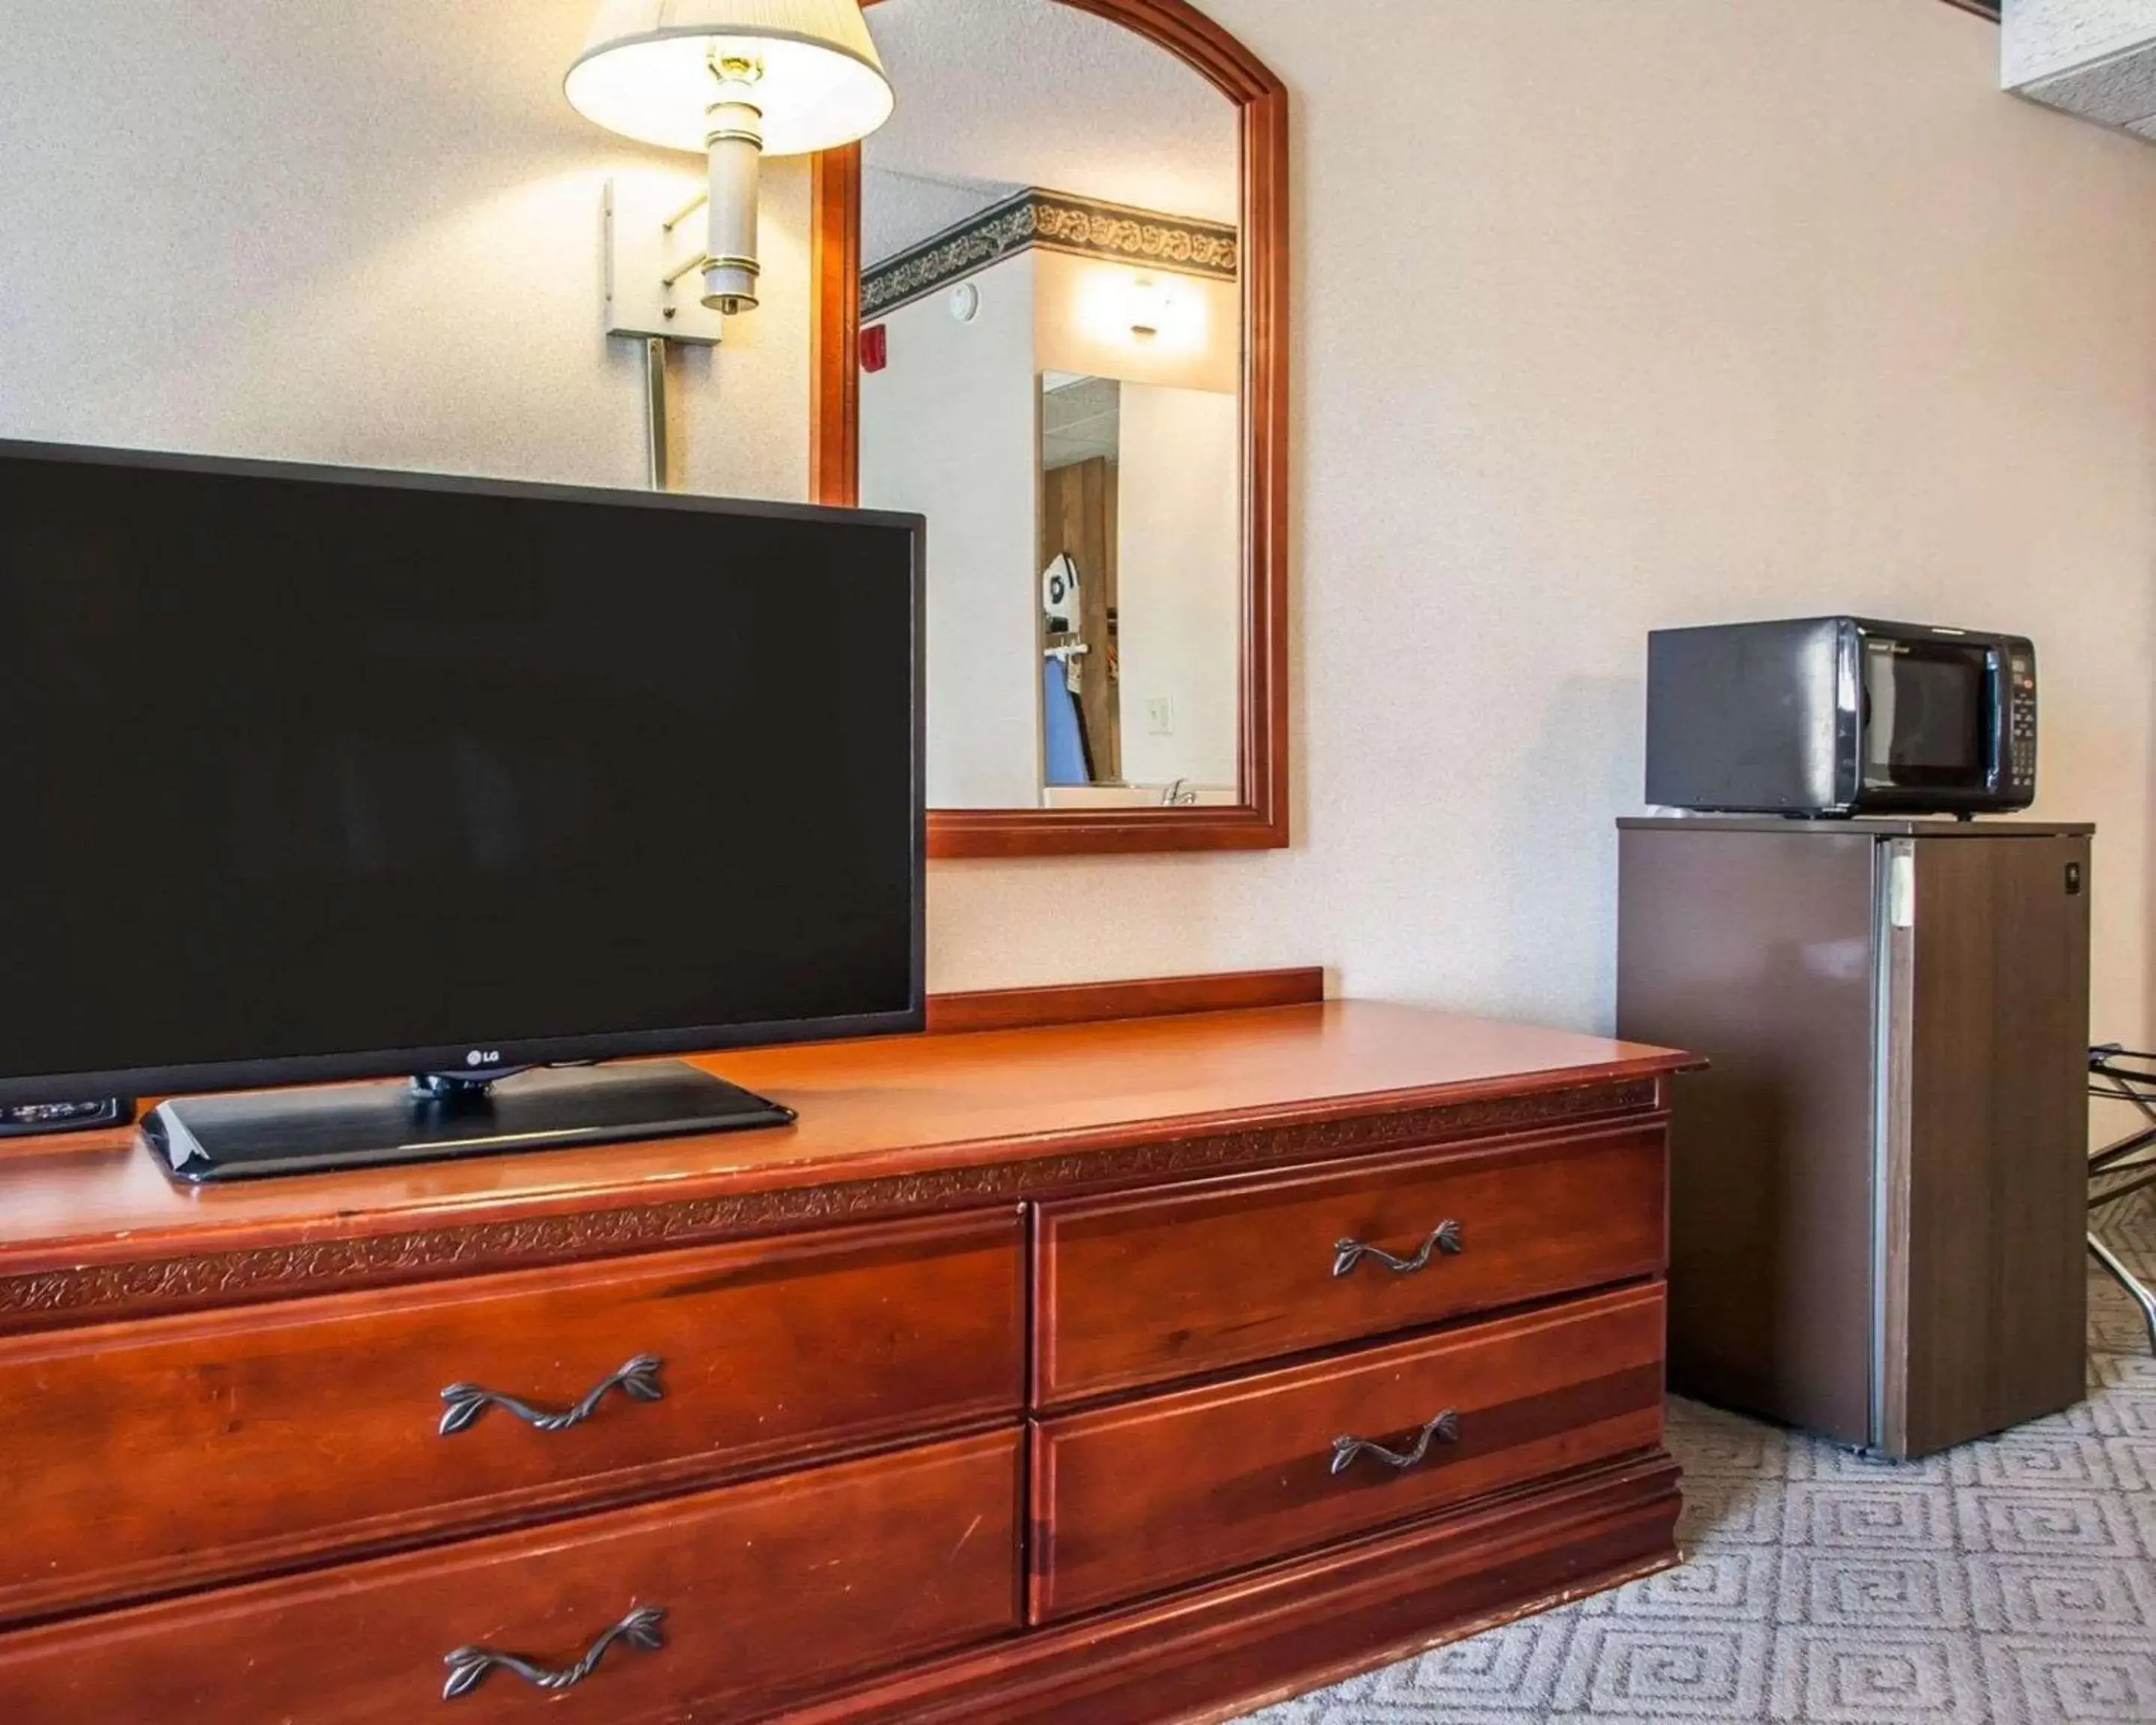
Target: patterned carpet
[(2008, 1583)]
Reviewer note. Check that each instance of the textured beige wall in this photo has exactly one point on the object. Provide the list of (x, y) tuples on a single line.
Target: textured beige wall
[(361, 231), (1618, 313), (1614, 313)]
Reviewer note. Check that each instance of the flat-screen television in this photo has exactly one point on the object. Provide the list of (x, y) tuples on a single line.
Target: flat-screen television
[(314, 774)]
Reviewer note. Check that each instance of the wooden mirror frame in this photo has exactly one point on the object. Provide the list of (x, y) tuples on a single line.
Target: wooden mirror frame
[(1259, 821)]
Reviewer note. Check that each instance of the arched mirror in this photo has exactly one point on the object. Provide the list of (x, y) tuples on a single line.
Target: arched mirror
[(1051, 316)]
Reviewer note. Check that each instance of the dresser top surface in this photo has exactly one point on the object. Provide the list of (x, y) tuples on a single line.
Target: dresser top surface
[(869, 1110)]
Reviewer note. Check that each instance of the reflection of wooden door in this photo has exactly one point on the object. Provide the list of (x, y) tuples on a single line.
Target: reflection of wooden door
[(1078, 519)]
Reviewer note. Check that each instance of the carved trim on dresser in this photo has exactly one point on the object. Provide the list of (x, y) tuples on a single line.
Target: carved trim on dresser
[(94, 1292)]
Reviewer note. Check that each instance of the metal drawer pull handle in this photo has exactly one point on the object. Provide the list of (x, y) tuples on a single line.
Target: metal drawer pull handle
[(469, 1665), (639, 1380), (1444, 1238), (1444, 1429)]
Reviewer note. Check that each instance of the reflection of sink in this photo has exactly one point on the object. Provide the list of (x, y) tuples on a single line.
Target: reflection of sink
[(1135, 796)]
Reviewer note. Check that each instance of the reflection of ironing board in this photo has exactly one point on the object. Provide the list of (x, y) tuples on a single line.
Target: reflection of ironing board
[(1060, 582), (1068, 756), (1063, 731), (2126, 1165)]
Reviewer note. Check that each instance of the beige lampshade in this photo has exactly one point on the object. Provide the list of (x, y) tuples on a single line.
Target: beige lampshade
[(645, 70)]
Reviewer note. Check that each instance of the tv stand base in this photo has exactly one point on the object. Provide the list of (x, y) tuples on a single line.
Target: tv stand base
[(261, 1133)]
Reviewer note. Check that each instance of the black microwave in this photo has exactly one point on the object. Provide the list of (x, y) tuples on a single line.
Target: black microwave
[(1841, 716)]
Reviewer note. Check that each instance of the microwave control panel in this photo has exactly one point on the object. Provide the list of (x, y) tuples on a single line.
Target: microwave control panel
[(2021, 722)]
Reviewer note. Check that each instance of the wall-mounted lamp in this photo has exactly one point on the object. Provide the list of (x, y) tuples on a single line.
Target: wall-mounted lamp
[(734, 80)]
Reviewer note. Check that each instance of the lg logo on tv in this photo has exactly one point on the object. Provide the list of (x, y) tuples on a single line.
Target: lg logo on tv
[(483, 1057)]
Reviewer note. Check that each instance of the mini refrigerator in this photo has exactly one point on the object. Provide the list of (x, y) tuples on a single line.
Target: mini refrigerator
[(1878, 1190)]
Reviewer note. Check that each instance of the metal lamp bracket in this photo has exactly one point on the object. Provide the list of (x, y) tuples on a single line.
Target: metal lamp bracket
[(653, 258)]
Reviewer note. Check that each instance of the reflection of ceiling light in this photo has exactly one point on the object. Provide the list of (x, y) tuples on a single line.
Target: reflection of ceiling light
[(1143, 313), (737, 79), (1149, 307)]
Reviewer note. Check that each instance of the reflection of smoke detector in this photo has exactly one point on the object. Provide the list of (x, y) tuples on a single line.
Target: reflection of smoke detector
[(966, 302)]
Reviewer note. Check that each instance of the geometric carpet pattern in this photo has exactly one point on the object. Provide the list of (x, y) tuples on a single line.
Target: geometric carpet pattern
[(2010, 1582)]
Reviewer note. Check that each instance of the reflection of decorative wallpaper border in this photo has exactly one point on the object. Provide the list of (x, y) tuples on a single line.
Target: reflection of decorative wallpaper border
[(1059, 221)]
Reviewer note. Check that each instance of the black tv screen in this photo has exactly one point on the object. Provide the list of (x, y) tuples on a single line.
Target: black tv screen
[(312, 774)]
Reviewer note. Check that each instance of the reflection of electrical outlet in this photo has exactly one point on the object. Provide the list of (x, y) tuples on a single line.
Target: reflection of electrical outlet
[(1160, 716)]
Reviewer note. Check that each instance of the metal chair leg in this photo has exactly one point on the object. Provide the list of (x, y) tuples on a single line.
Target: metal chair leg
[(2131, 1282)]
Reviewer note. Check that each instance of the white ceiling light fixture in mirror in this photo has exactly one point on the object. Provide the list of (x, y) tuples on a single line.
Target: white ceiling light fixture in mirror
[(734, 80)]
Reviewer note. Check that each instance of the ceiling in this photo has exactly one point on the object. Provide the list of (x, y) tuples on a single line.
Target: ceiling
[(2093, 58), (1080, 418), (994, 96), (901, 210)]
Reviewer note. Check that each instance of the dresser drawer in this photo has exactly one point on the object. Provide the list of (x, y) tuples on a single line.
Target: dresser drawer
[(754, 1594), (204, 1447), (1136, 1290), (1130, 1500)]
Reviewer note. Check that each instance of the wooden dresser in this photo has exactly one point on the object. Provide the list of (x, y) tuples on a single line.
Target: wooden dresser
[(1138, 1370)]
